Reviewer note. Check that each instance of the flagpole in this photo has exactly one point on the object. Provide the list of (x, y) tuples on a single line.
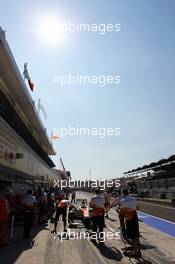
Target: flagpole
[(38, 105)]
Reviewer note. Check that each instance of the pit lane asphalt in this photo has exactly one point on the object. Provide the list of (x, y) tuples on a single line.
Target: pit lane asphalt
[(42, 248), (159, 210)]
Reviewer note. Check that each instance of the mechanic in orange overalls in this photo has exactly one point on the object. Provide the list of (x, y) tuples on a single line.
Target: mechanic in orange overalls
[(98, 203), (62, 210), (129, 210)]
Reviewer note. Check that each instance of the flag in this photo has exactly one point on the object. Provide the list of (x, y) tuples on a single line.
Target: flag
[(27, 76), (55, 136), (31, 85), (40, 107)]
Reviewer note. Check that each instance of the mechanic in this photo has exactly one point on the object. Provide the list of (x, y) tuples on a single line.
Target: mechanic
[(60, 195), (61, 210), (128, 208), (107, 202), (98, 203), (51, 206), (73, 197), (117, 206), (29, 213)]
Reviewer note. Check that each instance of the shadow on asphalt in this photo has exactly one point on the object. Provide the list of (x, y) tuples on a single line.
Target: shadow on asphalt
[(9, 254), (112, 219), (140, 261), (146, 246), (109, 252), (144, 261), (142, 247)]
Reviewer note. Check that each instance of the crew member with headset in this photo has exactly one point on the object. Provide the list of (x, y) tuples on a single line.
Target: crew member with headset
[(129, 210), (61, 211), (98, 204), (117, 206)]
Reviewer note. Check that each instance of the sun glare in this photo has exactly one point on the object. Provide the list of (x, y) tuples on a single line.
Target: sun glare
[(49, 30)]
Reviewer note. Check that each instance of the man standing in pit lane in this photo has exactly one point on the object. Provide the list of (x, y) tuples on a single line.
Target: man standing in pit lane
[(51, 206), (116, 204), (128, 208), (73, 196), (60, 195), (98, 204), (107, 203), (61, 211), (29, 202)]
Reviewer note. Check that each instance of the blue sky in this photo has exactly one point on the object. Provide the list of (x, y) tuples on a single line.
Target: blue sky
[(142, 53)]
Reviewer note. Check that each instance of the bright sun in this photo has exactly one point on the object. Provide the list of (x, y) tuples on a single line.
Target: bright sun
[(49, 30)]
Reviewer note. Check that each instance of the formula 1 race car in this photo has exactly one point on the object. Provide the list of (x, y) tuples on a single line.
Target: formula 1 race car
[(80, 215)]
